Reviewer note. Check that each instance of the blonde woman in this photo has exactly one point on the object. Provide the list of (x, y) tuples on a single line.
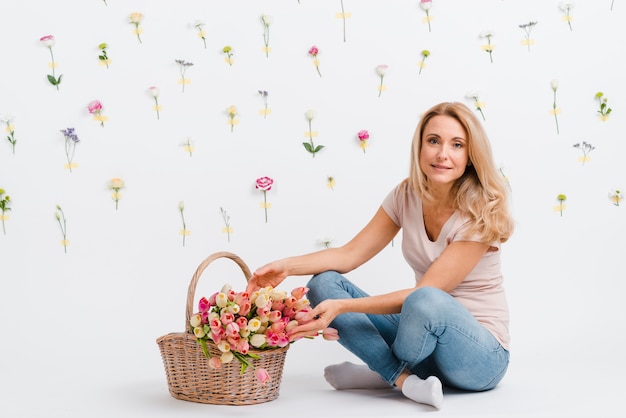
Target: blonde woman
[(451, 327)]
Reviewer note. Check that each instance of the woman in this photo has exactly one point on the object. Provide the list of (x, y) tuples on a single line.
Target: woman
[(451, 328)]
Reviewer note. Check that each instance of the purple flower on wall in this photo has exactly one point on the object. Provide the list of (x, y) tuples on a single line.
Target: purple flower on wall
[(71, 139)]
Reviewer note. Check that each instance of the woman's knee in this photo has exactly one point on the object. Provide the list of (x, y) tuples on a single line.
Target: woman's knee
[(322, 285), (426, 300)]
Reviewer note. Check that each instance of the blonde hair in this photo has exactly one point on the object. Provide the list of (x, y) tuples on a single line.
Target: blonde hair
[(481, 192)]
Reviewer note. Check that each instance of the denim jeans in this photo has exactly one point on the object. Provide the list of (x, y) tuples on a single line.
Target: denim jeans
[(433, 335)]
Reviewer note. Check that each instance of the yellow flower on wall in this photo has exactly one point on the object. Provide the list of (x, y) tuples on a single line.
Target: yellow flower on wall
[(116, 184), (135, 19)]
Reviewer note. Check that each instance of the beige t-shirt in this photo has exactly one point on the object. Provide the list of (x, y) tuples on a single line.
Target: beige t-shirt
[(481, 292)]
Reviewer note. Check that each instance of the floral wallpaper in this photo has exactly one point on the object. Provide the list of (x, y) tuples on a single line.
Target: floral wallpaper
[(140, 136)]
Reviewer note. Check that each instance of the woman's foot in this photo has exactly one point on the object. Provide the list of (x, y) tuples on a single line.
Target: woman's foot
[(429, 391), (348, 375)]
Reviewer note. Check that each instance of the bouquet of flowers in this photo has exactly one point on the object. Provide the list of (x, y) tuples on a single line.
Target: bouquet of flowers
[(238, 322)]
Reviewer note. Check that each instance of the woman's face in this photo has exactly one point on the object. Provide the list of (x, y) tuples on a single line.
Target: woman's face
[(444, 153)]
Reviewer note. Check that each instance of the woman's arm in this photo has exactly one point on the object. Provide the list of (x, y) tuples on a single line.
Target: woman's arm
[(447, 271), (368, 242)]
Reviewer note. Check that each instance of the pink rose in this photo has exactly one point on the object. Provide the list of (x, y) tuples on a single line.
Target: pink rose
[(299, 292), (204, 305), (47, 40), (330, 334), (94, 106), (264, 183), (215, 362), (363, 135), (314, 51), (262, 376), (227, 318)]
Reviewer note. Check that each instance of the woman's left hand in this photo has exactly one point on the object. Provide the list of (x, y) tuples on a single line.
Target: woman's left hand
[(317, 320)]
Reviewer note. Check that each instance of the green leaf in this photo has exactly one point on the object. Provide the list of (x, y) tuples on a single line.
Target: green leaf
[(205, 349), (52, 80), (308, 147), (319, 147)]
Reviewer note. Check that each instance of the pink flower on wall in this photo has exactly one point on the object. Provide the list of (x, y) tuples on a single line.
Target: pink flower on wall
[(314, 52), (426, 5), (363, 136), (95, 108), (48, 41), (265, 185), (154, 92)]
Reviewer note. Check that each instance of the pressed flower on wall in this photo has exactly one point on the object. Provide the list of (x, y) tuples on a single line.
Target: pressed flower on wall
[(616, 196), (310, 146), (95, 108), (567, 7), (265, 185), (527, 28), (331, 182), (103, 57), (116, 184), (561, 198), (425, 54), (555, 110), (48, 41), (226, 218), (135, 19), (265, 109), (381, 70), (182, 67), (604, 109), (363, 136), (325, 242), (343, 15), (426, 5), (314, 52), (9, 128), (228, 50), (188, 147), (232, 115), (71, 139), (60, 217), (184, 232), (154, 91), (477, 103), (489, 47), (586, 148), (5, 201), (267, 21), (199, 25)]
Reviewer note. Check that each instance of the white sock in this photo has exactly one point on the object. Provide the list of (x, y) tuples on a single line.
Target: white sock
[(429, 391), (347, 375)]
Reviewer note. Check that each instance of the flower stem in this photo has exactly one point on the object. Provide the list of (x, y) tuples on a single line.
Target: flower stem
[(311, 140), (343, 15), (381, 86), (53, 70), (265, 203)]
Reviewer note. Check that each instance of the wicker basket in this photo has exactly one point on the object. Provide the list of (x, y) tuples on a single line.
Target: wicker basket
[(189, 376)]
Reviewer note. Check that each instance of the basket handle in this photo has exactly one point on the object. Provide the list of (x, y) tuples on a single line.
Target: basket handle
[(191, 292)]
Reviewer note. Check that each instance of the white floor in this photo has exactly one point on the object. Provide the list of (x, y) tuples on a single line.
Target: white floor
[(111, 382)]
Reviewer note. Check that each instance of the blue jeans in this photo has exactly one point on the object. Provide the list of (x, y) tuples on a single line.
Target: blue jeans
[(433, 335)]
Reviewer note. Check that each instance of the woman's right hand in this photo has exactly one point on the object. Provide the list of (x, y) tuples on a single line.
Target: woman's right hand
[(271, 274)]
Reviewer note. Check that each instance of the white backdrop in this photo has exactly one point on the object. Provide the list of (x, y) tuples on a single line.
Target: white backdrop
[(124, 278)]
